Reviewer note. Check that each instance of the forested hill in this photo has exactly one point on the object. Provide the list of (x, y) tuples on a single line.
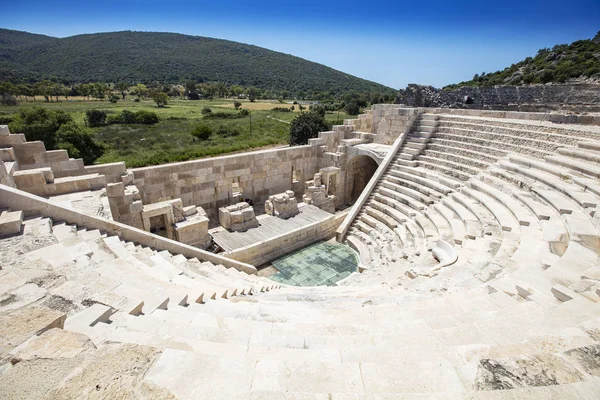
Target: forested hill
[(165, 57), (580, 59)]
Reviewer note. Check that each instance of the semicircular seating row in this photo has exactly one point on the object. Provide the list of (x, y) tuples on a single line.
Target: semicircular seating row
[(515, 316)]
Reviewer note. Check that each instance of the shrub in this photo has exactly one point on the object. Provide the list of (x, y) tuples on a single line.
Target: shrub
[(225, 132), (206, 111), (38, 123), (202, 132), (282, 109), (78, 143), (113, 119), (237, 104), (127, 117), (95, 118), (226, 115), (146, 117), (113, 98), (306, 126), (136, 100), (547, 76), (5, 119)]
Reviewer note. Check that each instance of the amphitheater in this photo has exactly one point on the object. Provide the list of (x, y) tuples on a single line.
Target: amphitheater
[(476, 236)]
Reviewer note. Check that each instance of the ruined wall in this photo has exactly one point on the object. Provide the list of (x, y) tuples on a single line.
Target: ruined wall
[(572, 97), (390, 120), (211, 182)]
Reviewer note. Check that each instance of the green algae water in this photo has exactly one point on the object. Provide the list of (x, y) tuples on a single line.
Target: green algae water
[(320, 264)]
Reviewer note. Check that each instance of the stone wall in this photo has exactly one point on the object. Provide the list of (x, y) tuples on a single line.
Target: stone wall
[(212, 182), (572, 97), (390, 120)]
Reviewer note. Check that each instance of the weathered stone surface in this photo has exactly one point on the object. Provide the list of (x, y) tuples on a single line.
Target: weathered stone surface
[(114, 371), (24, 323), (53, 343), (512, 373)]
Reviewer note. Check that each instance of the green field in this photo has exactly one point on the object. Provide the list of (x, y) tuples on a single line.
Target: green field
[(170, 140)]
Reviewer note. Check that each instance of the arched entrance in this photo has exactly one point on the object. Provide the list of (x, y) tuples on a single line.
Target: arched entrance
[(360, 170)]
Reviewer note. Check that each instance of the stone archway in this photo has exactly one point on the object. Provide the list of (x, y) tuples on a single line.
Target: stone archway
[(360, 170)]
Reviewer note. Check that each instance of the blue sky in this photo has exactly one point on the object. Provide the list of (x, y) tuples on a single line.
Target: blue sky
[(432, 42)]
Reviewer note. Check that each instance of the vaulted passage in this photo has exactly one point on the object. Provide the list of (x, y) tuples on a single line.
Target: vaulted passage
[(361, 170)]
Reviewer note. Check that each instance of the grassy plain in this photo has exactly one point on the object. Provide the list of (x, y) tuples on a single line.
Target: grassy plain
[(170, 140)]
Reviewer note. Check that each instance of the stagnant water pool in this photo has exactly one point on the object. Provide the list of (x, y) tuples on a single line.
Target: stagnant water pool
[(319, 264)]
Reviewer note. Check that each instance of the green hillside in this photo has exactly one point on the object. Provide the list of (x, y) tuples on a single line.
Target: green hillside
[(580, 59), (165, 57)]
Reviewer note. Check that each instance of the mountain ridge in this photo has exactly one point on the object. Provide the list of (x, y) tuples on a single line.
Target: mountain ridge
[(135, 56), (576, 61)]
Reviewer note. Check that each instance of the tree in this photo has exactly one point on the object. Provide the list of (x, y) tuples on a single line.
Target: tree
[(78, 143), (58, 131), (318, 108), (39, 123), (307, 126), (352, 108), (122, 87), (253, 93), (140, 91), (160, 98)]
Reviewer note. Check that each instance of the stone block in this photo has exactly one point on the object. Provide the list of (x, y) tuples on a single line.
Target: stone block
[(136, 207), (11, 223), (177, 205), (189, 210), (7, 154), (283, 205), (31, 178), (4, 131), (237, 217), (193, 232), (127, 179), (115, 189)]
